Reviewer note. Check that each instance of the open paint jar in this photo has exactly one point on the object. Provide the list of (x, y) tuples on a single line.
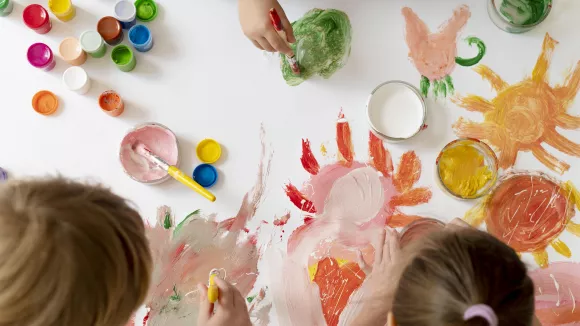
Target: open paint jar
[(418, 229), (77, 80), (160, 140), (518, 16), (40, 56), (466, 168), (62, 9), (71, 51), (396, 111), (37, 18)]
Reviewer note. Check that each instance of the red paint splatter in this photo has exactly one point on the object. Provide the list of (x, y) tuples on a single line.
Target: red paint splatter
[(528, 212), (308, 220), (265, 222), (308, 160), (299, 200), (336, 284), (423, 127), (146, 318), (282, 220), (408, 172), (343, 140), (380, 156)]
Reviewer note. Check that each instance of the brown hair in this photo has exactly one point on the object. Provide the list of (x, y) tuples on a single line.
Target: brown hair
[(70, 254), (452, 270)]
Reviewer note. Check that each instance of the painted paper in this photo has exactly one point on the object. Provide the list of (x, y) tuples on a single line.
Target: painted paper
[(557, 291), (524, 116)]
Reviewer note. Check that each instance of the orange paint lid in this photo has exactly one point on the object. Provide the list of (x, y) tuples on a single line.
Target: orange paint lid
[(45, 102)]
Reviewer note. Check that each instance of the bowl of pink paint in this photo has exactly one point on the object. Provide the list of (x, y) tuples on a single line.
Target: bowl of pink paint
[(40, 56), (160, 140)]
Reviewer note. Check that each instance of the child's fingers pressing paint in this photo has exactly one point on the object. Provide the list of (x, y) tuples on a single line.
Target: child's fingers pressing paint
[(230, 310), (205, 307)]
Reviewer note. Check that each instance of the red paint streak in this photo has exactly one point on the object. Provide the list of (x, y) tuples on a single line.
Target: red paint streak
[(299, 200), (308, 160), (412, 197), (227, 224), (282, 220), (253, 240), (408, 172), (424, 126), (177, 253), (336, 285), (146, 318), (344, 141), (275, 20), (528, 212), (308, 220), (246, 230), (381, 158)]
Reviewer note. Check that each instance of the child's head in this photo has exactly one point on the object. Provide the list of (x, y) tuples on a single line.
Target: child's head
[(452, 271), (70, 254)]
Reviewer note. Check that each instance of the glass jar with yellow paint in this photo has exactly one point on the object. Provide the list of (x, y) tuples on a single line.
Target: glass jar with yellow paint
[(466, 168)]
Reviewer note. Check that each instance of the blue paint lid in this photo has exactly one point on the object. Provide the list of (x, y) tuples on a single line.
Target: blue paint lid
[(205, 174), (3, 175)]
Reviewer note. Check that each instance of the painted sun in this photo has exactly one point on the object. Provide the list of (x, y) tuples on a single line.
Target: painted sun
[(525, 115)]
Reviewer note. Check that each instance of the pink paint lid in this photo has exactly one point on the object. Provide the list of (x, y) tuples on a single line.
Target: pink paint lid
[(35, 16), (39, 55)]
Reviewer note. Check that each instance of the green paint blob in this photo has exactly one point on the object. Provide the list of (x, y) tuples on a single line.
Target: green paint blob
[(480, 52), (436, 88), (251, 298), (167, 221), (122, 55), (449, 82), (322, 45), (442, 88), (182, 223), (425, 84), (524, 12), (175, 296)]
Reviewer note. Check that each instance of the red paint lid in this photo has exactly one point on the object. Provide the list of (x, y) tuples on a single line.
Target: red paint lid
[(35, 16)]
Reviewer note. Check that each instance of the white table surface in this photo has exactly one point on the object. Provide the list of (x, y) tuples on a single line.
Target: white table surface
[(203, 78)]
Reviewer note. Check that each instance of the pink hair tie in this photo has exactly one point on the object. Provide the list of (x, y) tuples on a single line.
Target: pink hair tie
[(483, 311)]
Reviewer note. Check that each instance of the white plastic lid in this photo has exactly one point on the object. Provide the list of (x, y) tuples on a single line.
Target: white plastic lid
[(125, 11), (91, 41), (74, 78)]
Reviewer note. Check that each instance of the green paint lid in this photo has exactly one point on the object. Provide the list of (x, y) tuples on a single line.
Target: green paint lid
[(146, 10), (4, 3)]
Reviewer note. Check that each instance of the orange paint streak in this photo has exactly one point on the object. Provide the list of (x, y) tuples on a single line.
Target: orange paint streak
[(298, 199), (308, 160), (336, 284), (408, 172), (525, 115), (412, 197), (344, 141), (399, 220), (380, 156)]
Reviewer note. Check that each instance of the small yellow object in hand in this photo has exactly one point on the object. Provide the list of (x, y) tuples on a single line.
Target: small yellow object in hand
[(212, 290)]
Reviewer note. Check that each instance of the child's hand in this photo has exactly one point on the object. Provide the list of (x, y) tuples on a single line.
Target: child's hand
[(230, 309), (256, 25)]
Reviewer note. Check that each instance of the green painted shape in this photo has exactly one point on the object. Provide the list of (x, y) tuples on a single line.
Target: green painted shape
[(182, 223), (436, 88), (167, 221), (468, 62), (323, 40), (175, 296), (425, 84), (450, 86), (442, 88), (251, 298), (524, 12)]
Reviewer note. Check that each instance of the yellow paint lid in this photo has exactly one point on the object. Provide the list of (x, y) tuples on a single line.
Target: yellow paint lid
[(208, 150)]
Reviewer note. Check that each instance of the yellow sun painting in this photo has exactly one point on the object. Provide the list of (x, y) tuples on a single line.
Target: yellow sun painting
[(524, 115)]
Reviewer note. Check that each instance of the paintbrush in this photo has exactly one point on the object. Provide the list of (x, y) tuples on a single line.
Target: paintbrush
[(173, 171), (277, 23)]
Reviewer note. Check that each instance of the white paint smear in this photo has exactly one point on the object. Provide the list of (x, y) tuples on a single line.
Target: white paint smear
[(395, 110)]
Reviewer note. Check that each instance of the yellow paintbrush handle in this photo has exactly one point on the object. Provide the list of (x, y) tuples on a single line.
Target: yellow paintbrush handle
[(181, 177)]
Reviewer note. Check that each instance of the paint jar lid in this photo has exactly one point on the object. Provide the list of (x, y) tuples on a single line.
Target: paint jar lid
[(54, 7), (35, 16), (208, 150), (139, 34), (39, 55), (109, 28), (4, 3), (45, 102), (70, 48), (146, 10), (74, 78), (91, 41), (125, 11), (206, 175), (3, 175)]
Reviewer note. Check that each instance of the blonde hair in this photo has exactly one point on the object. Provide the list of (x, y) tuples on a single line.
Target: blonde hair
[(450, 271), (70, 254)]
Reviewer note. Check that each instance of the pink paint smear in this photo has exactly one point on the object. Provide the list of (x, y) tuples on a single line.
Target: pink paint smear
[(184, 255)]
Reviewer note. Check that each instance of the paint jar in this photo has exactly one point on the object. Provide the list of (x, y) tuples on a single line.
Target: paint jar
[(76, 80), (146, 10), (62, 9), (396, 111), (45, 102), (71, 51), (124, 58), (160, 140), (6, 7), (419, 229), (141, 38), (111, 103), (37, 19), (93, 44), (518, 16), (111, 30), (126, 13), (40, 56), (466, 168)]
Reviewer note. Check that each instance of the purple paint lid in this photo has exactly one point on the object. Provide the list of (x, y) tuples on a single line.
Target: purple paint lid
[(3, 175), (40, 55)]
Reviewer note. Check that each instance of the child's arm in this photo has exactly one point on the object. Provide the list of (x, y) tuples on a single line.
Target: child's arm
[(256, 25)]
